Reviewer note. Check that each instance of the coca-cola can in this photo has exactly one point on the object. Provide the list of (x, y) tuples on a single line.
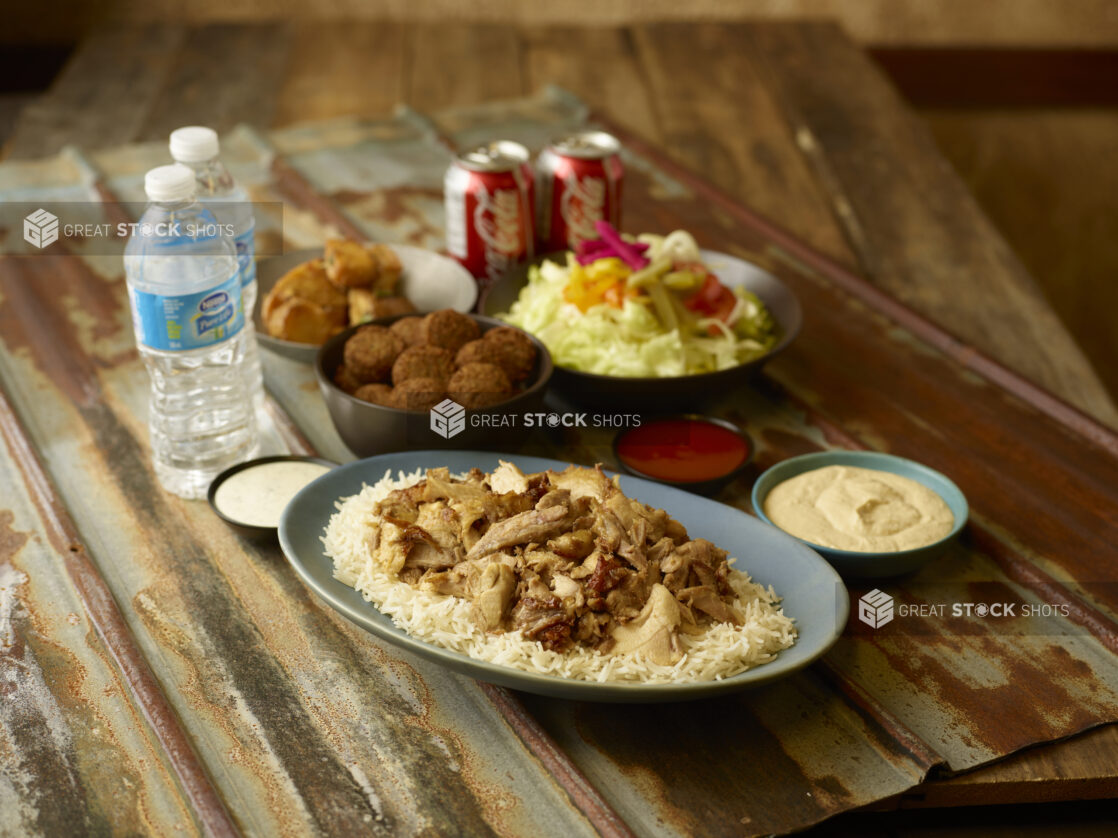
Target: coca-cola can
[(578, 179), (490, 196)]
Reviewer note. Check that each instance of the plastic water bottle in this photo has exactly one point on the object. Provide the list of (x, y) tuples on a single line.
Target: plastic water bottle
[(184, 285), (197, 147)]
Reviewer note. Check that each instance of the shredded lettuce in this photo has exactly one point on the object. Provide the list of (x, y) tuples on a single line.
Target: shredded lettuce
[(632, 341)]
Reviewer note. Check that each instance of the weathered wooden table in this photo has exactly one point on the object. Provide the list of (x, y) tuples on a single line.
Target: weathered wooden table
[(160, 674)]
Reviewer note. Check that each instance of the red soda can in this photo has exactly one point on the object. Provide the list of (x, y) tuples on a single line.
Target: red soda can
[(579, 179), (490, 221)]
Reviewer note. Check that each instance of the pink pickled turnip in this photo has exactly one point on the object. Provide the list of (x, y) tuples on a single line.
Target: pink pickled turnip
[(588, 246), (625, 251), (591, 250)]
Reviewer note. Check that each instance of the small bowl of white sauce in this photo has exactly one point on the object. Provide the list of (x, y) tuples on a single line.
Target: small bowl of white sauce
[(251, 496)]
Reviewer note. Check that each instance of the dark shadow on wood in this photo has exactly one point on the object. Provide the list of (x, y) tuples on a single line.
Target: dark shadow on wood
[(953, 77)]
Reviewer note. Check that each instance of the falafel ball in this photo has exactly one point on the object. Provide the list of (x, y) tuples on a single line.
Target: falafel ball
[(449, 329), (515, 349), (479, 385), (380, 394), (423, 362), (419, 393), (370, 353), (409, 330), (478, 352), (346, 380)]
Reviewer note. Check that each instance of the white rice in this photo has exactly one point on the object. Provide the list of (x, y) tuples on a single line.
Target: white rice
[(721, 651)]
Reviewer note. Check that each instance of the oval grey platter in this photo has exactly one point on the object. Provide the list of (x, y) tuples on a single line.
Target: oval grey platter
[(813, 593)]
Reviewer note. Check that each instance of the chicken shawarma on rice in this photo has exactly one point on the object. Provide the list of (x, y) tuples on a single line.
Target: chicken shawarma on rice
[(555, 572)]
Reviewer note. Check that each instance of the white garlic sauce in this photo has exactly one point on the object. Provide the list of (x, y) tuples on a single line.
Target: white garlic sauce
[(257, 496)]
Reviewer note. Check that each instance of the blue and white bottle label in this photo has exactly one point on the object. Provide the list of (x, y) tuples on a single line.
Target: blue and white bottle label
[(188, 321), (246, 253)]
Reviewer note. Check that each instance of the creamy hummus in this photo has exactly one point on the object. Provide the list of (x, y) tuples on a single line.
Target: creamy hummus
[(860, 509)]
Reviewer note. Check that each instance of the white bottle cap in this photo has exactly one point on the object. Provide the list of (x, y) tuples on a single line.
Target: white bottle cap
[(194, 144), (170, 183)]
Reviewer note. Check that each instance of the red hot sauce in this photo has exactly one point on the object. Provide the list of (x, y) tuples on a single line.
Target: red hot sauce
[(682, 450)]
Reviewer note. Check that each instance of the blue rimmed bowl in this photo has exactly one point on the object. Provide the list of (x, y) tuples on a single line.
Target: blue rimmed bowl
[(865, 564)]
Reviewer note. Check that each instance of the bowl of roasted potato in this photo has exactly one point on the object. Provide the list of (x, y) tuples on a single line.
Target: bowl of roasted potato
[(308, 296)]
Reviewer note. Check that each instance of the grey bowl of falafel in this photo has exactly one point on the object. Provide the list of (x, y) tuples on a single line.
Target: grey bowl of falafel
[(443, 380)]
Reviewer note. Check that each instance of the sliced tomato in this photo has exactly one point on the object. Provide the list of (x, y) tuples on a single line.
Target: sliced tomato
[(713, 299), (615, 295), (704, 300), (725, 306)]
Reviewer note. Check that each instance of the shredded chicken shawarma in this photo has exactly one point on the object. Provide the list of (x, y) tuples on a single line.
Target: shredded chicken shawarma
[(564, 557)]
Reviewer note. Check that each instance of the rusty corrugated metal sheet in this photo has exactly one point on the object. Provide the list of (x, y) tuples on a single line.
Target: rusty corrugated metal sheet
[(78, 756), (953, 688), (305, 724), (308, 725)]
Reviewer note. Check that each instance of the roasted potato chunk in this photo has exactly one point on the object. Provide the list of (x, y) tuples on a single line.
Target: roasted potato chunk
[(301, 321), (362, 305), (388, 268), (349, 264), (366, 305), (305, 282)]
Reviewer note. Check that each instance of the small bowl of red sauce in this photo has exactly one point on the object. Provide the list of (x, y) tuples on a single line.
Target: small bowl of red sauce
[(698, 453)]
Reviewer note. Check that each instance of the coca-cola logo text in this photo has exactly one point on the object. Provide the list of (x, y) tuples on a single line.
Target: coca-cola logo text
[(497, 221), (582, 203)]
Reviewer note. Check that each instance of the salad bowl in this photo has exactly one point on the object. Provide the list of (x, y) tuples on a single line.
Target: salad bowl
[(664, 394)]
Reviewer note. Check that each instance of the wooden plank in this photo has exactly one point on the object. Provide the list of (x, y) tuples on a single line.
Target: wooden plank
[(342, 69), (1081, 819), (600, 66), (1083, 767), (716, 116), (917, 231), (11, 106), (995, 79), (457, 64), (994, 22), (1043, 152), (103, 95), (222, 75)]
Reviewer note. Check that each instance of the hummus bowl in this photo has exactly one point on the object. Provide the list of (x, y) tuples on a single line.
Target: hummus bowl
[(867, 564)]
